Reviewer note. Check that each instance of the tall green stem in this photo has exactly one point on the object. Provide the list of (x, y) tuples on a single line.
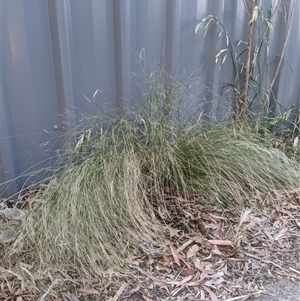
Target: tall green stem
[(242, 106)]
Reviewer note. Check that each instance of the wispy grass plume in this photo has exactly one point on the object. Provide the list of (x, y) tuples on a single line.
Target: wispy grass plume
[(101, 206)]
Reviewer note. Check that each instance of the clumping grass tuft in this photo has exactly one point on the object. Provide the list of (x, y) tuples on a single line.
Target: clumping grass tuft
[(101, 206)]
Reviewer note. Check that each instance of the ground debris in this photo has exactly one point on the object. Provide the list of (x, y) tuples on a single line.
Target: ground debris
[(211, 254)]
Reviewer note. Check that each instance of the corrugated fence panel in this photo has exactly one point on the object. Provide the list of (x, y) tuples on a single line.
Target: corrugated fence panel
[(28, 103), (288, 94), (57, 53)]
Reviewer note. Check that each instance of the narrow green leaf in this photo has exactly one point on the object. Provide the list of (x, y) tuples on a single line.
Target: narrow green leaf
[(224, 59), (284, 12)]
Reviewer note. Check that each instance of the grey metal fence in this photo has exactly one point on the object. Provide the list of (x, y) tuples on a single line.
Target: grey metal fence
[(54, 53)]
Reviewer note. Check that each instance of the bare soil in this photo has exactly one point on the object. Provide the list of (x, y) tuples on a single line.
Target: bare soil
[(281, 290)]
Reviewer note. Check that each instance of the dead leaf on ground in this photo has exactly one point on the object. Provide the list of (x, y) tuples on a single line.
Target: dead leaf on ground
[(211, 293), (119, 292), (88, 291), (192, 251), (175, 255), (167, 260), (185, 280), (274, 214), (188, 272), (202, 295), (184, 245), (220, 242)]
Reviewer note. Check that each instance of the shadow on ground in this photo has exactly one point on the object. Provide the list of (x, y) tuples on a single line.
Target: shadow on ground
[(281, 290)]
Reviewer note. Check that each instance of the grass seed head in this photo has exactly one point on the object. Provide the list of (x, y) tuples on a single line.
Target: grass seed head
[(105, 203)]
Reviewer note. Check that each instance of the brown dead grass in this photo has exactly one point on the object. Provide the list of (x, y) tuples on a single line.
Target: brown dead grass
[(210, 255)]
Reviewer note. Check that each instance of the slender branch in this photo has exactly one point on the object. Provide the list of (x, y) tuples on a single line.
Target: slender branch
[(241, 110), (283, 50), (264, 260), (255, 54), (247, 6), (279, 63)]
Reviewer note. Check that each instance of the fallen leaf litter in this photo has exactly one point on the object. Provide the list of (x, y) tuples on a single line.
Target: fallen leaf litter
[(211, 254)]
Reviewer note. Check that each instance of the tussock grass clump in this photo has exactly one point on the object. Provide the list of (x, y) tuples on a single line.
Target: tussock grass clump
[(101, 206)]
